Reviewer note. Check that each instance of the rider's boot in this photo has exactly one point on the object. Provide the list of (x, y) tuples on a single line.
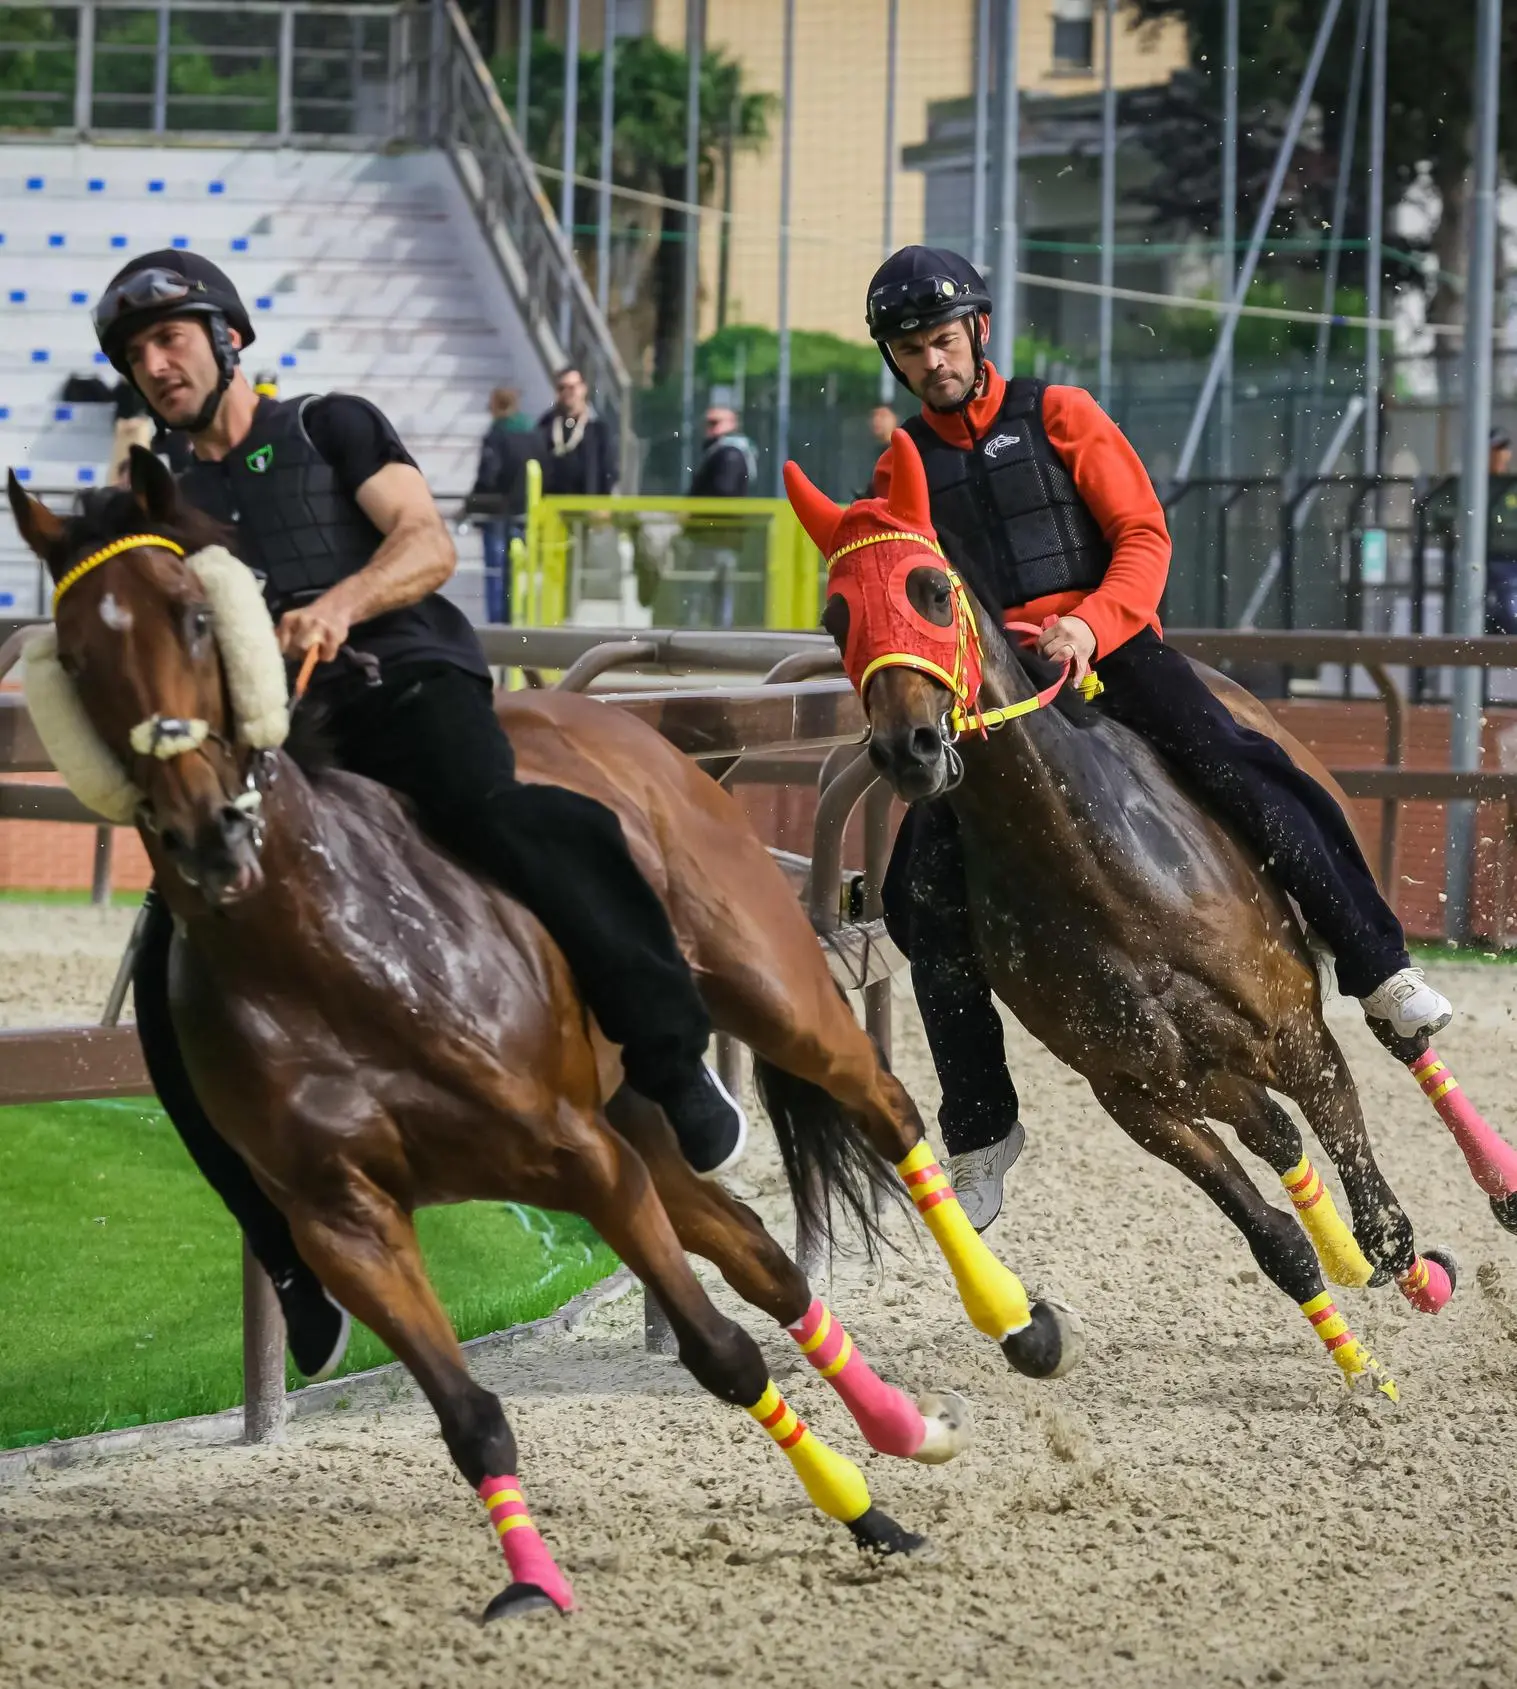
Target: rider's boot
[(978, 1176), (710, 1125), (1408, 1005), (316, 1329)]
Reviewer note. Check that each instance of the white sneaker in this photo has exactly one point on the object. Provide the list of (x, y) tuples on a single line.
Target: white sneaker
[(978, 1176), (1408, 1004)]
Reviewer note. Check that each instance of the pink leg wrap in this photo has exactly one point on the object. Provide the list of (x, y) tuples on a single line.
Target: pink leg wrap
[(1425, 1285), (890, 1421), (526, 1553), (1492, 1162)]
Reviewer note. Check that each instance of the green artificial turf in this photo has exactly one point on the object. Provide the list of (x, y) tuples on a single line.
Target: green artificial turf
[(120, 1273), (21, 894)]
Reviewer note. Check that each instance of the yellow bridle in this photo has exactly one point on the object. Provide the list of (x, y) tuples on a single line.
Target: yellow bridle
[(104, 555)]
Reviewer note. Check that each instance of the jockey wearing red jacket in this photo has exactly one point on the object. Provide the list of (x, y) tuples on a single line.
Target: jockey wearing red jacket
[(1049, 512)]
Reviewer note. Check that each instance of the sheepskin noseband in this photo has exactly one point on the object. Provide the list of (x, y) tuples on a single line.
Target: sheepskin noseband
[(250, 659)]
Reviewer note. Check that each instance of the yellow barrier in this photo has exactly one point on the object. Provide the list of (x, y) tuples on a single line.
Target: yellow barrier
[(754, 565)]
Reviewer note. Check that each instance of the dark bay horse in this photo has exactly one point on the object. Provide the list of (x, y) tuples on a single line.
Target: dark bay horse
[(374, 1028), (1125, 928)]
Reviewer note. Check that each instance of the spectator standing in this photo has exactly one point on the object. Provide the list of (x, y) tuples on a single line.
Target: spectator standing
[(727, 468), (883, 422), (500, 494), (577, 448)]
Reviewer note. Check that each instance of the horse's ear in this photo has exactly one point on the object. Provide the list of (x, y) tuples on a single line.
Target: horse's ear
[(909, 502), (153, 487), (818, 515), (41, 530)]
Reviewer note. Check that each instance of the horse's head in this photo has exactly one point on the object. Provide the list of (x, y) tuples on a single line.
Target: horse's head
[(908, 627), (161, 679)]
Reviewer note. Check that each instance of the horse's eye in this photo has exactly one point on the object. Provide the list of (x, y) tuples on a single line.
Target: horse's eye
[(200, 623), (940, 593)]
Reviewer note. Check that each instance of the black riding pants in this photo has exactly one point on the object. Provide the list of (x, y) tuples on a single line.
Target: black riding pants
[(431, 734), (1294, 824)]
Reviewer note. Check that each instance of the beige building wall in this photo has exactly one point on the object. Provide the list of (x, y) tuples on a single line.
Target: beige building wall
[(839, 135)]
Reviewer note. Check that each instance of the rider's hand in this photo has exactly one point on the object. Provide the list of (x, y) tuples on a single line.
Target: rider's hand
[(1069, 640), (322, 624)]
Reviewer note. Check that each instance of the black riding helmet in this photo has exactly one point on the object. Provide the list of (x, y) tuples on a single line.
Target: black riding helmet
[(922, 287), (160, 285)]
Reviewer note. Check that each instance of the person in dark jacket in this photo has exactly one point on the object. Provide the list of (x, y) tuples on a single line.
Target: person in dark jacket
[(499, 495), (331, 513), (726, 470), (578, 451)]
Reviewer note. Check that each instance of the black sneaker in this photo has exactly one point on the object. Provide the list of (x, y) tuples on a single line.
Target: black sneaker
[(711, 1128), (315, 1328)]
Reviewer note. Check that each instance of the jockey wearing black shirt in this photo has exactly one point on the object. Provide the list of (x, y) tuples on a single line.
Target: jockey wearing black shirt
[(331, 513)]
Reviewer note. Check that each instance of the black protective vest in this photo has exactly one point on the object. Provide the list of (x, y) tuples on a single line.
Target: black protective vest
[(300, 532), (1011, 504)]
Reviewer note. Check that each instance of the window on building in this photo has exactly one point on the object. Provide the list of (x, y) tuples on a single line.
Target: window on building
[(1073, 34)]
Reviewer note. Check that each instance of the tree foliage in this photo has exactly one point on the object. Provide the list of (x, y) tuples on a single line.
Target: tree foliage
[(1430, 67), (648, 155)]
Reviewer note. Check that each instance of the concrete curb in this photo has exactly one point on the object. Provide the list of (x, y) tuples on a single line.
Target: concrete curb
[(380, 1386)]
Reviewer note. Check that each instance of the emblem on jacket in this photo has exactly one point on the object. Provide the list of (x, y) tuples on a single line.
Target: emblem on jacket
[(994, 447), (261, 461)]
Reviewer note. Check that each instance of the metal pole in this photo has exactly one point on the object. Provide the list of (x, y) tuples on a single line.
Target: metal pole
[(979, 182), (1229, 324), (570, 155), (286, 117), (607, 135), (1340, 201), (1108, 201), (887, 223), (1229, 217), (1374, 263), (263, 1401), (1474, 473), (100, 878), (84, 69), (694, 33), (782, 378), (524, 66), (1004, 321), (161, 74)]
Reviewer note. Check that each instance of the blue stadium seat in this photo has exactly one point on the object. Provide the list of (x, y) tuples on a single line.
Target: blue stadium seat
[(23, 473), (264, 302), (95, 185), (39, 356), (180, 243), (239, 243), (118, 241), (86, 475), (100, 358), (63, 413), (287, 360), (78, 298), (215, 187), (5, 413), (34, 184), (55, 240), (156, 185), (17, 296)]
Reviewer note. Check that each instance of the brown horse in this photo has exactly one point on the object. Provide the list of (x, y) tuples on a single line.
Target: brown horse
[(373, 1028), (1125, 928)]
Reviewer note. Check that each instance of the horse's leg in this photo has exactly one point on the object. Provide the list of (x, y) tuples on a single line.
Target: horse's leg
[(1273, 1237), (1266, 1130), (364, 1250), (714, 1225), (1324, 1090), (612, 1188)]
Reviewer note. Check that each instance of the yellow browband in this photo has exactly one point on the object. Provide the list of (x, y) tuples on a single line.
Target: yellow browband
[(104, 555)]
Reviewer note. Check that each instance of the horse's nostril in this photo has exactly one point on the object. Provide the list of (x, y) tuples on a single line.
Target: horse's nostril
[(926, 742)]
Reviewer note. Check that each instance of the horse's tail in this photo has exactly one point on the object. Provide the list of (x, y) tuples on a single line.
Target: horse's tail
[(827, 1155)]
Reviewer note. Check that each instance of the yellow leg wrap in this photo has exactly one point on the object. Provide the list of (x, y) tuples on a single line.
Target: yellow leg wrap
[(832, 1481), (993, 1295), (1354, 1360), (1341, 1257)]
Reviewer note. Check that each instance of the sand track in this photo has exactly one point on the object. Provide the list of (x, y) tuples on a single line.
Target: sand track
[(1199, 1504)]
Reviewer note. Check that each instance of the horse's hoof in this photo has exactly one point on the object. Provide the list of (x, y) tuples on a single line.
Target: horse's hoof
[(878, 1533), (1505, 1210), (517, 1600), (1053, 1344), (948, 1426), (1446, 1259)]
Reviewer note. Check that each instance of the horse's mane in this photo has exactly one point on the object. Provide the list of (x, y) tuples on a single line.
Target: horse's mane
[(104, 514), (1069, 703)]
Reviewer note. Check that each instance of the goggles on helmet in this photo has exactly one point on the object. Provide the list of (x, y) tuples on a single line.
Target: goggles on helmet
[(143, 290), (900, 307)]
